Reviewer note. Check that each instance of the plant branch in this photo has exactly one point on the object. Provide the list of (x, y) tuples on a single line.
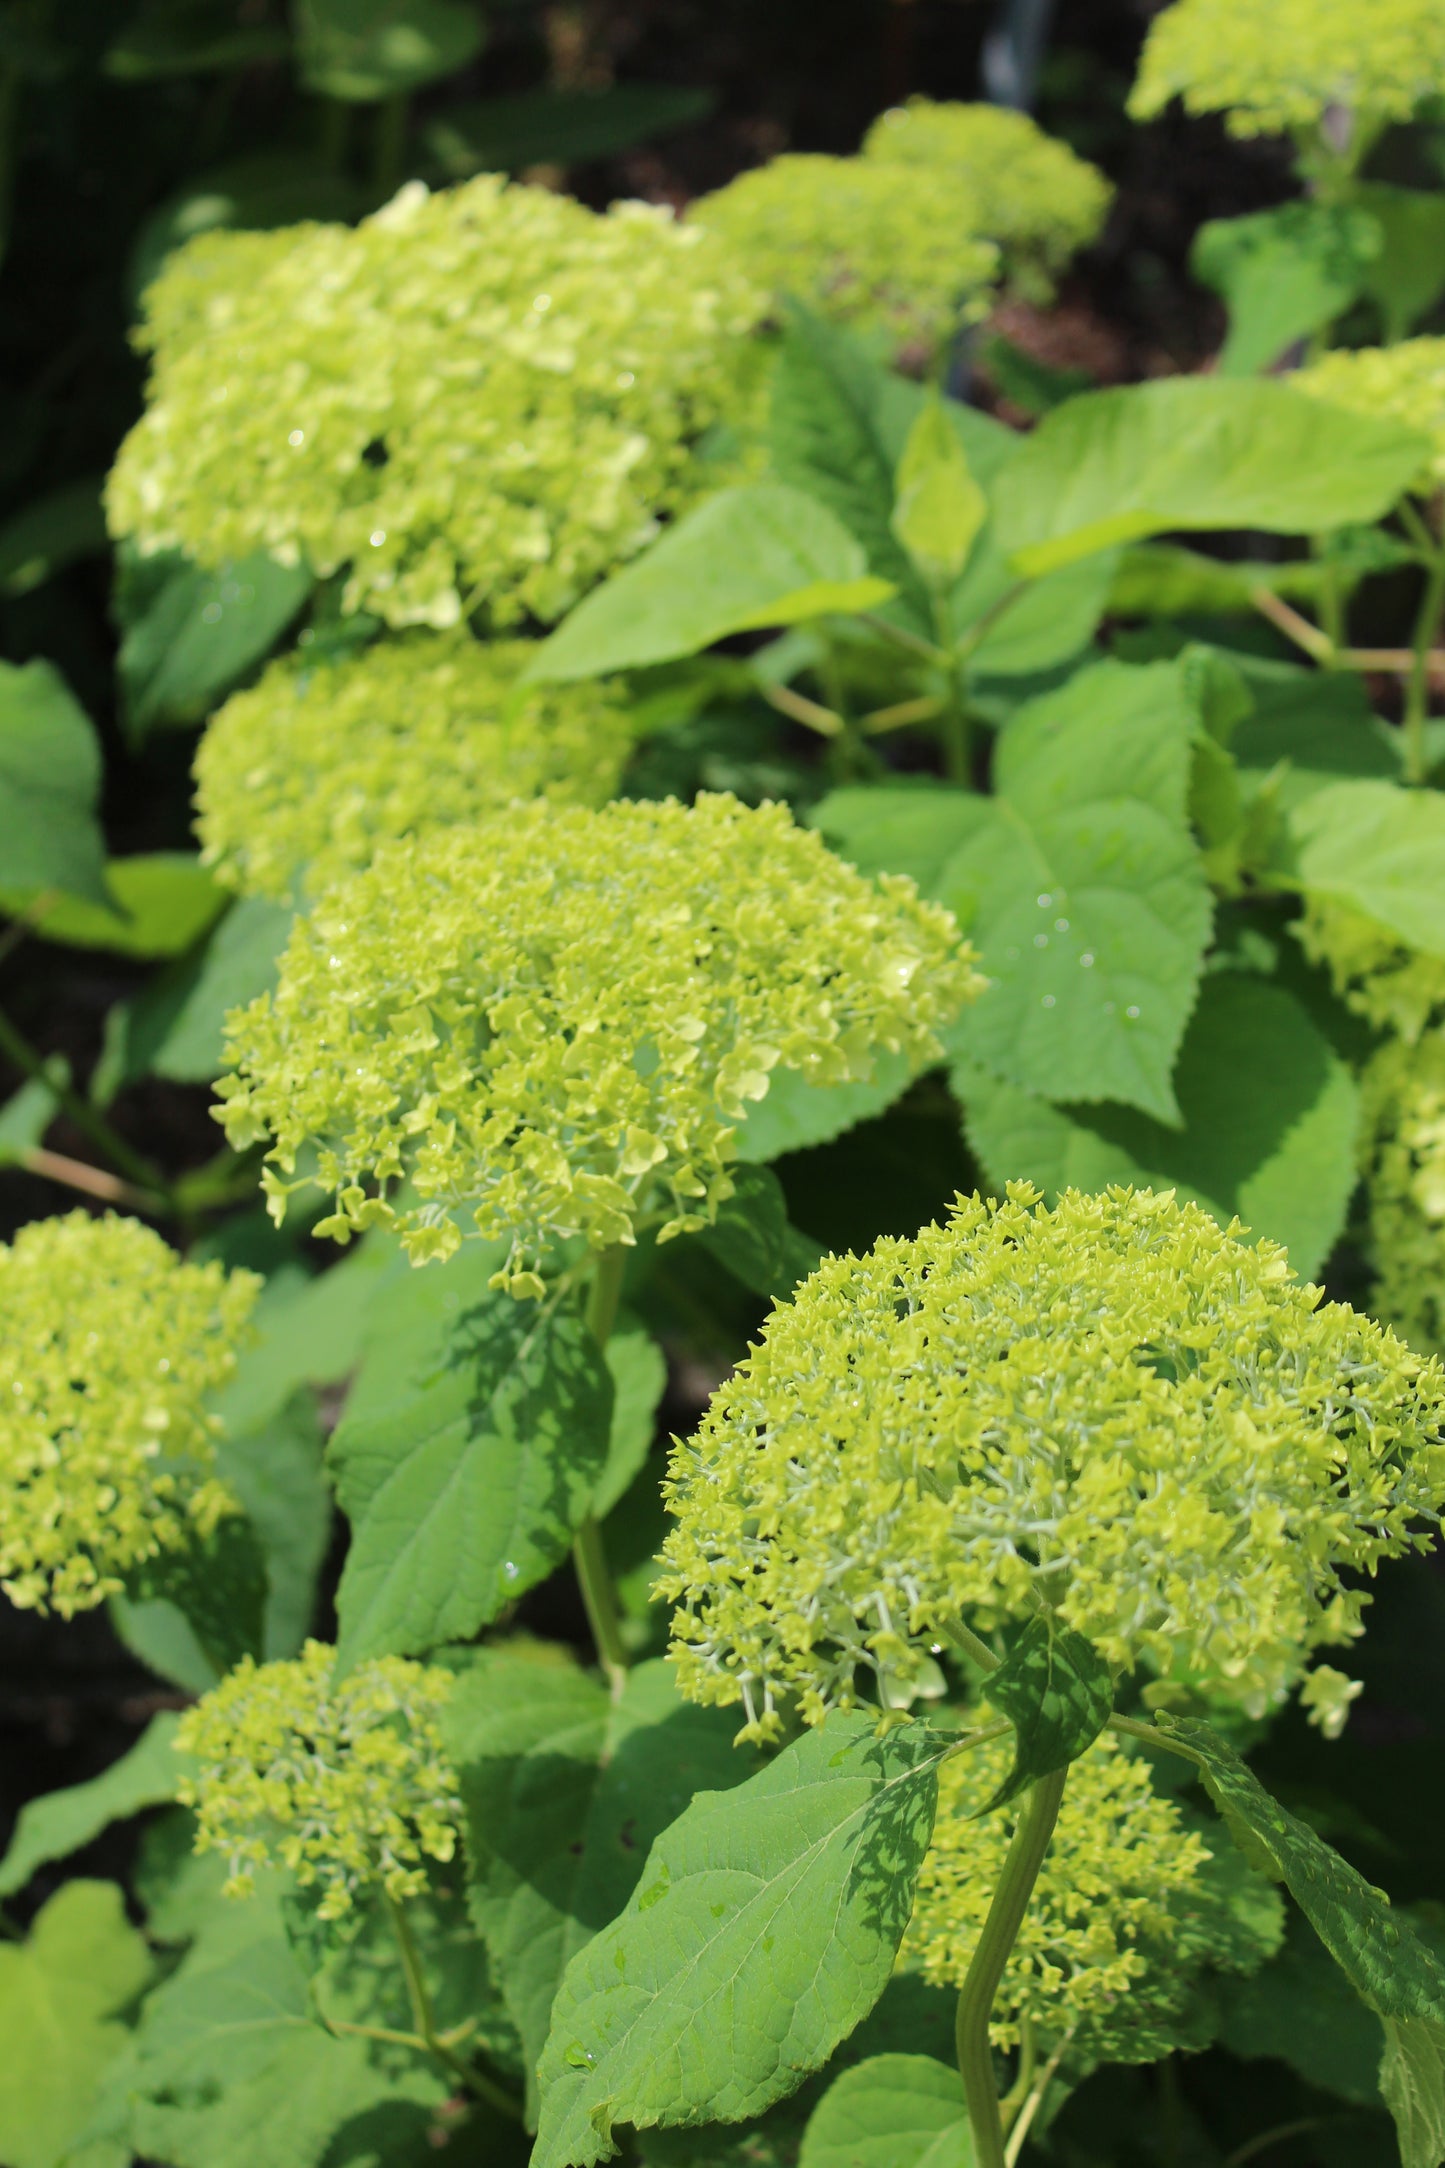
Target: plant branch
[(1316, 644), (1277, 2136), (1000, 1931), (1035, 2100), (826, 721), (921, 710), (1417, 692), (18, 1049), (476, 2082), (589, 1556), (1131, 1728), (90, 1181), (966, 1639)]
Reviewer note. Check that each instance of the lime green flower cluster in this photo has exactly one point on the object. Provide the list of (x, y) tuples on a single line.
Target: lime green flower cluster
[(301, 777), (1393, 986), (1289, 67), (889, 247), (1030, 194), (346, 1784), (554, 1021), (1124, 1915), (1113, 1408), (476, 401), (1404, 382), (109, 1346)]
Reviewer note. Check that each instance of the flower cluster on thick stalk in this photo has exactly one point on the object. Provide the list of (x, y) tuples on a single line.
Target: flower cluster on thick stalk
[(555, 1022), (110, 1347)]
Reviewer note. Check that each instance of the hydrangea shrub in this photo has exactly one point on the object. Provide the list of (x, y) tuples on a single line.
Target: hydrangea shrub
[(1406, 381)]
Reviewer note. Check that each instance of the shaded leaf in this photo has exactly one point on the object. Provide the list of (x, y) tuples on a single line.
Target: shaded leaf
[(1408, 272), (752, 1237), (161, 903), (218, 1584), (28, 1113), (1283, 273), (1057, 1692), (189, 635), (1301, 2009), (894, 2111), (796, 1113), (1270, 1113), (467, 1488), (751, 557), (167, 38), (639, 1377), (782, 1902), (911, 828), (57, 530), (364, 50), (1319, 724), (59, 1823), (562, 127), (49, 787), (176, 1027)]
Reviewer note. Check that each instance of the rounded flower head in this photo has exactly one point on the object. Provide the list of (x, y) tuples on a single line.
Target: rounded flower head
[(477, 400), (1404, 1095), (347, 1785), (1030, 194), (300, 778), (1404, 383), (1375, 973), (555, 1021), (1281, 69), (1112, 1407), (109, 1346), (860, 239), (1127, 1911)]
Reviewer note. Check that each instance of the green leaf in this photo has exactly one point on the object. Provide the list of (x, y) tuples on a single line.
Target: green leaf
[(1163, 579), (166, 38), (364, 50), (1056, 1690), (751, 557), (190, 636), (62, 1993), (1270, 1115), (1408, 273), (56, 531), (1195, 453), (559, 127), (796, 1114), (781, 1904), (228, 2067), (176, 1028), (466, 1482), (49, 786), (1283, 273), (255, 193), (1379, 849), (751, 1236), (639, 1378), (1085, 894), (911, 828), (1301, 2009), (276, 1473), (25, 1117), (59, 1823), (940, 508), (1050, 623), (566, 1792), (313, 1331), (1390, 1968), (894, 2111), (161, 904), (219, 1587), (1317, 723)]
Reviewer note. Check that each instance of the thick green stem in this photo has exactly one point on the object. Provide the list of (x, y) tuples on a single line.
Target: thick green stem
[(18, 1049), (1000, 1932), (1417, 693), (594, 1577)]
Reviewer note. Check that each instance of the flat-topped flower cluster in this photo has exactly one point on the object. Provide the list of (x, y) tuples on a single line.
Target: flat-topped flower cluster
[(478, 401), (554, 1022), (302, 776), (110, 1347), (1113, 1409)]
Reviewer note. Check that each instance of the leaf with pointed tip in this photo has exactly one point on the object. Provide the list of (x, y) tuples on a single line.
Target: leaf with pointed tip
[(766, 1925), (59, 1823), (1055, 1689), (1378, 849), (940, 508), (752, 1237), (639, 1377)]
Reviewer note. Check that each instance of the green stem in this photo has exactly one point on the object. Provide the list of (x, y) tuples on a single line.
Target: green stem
[(1000, 1932), (474, 2081), (965, 1638), (389, 144), (18, 1049), (1417, 693), (589, 1557), (1278, 2135)]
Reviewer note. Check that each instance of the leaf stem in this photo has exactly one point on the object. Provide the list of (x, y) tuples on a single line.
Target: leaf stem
[(1000, 1932), (966, 1639), (27, 1058), (589, 1556), (1417, 692), (476, 2082), (1131, 1728), (90, 1181)]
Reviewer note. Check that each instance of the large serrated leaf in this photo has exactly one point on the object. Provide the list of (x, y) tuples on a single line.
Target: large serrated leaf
[(1380, 850), (1190, 454), (565, 1793), (1056, 1691), (1085, 894), (1270, 1113), (468, 1491), (1385, 1961), (50, 770), (796, 1114), (911, 828), (759, 555), (893, 2111), (766, 1925)]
